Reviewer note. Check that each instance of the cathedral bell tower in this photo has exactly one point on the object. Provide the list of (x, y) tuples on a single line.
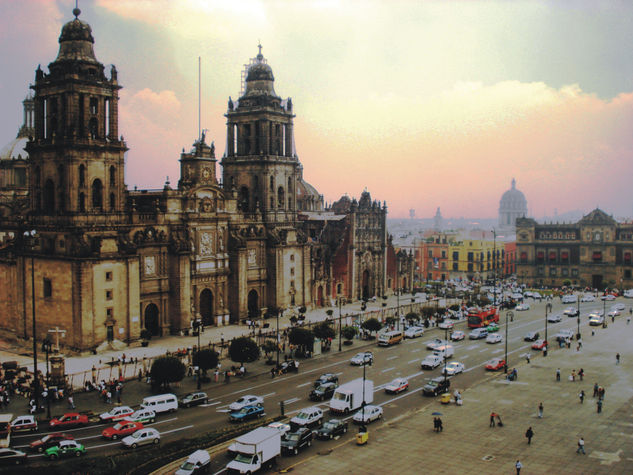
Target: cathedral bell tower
[(76, 155), (260, 162)]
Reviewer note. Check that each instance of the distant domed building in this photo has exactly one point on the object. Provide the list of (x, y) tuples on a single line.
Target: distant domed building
[(513, 205)]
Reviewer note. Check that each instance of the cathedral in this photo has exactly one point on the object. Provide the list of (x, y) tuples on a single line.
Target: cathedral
[(81, 252)]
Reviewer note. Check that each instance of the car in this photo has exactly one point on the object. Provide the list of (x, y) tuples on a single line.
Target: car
[(121, 429), (145, 416), (608, 297), (596, 313), (248, 400), (435, 343), (587, 298), (596, 320), (397, 385), (24, 423), (446, 325), (361, 359), (569, 298), (326, 378), (247, 413), (536, 296), (457, 335), (367, 414), (193, 399), (613, 313), (413, 332), (566, 334), (12, 457), (281, 427), (296, 440), (453, 368), (478, 334), (66, 448), (495, 364), (431, 362), (436, 386), (331, 429), (571, 312), (554, 318), (144, 436), (494, 338), (618, 306), (522, 307), (493, 327), (531, 336), (539, 344), (308, 417), (40, 445), (116, 414), (70, 419), (517, 296), (323, 392)]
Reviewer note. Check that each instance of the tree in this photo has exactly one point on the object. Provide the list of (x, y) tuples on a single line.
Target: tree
[(323, 331), (390, 320), (411, 317), (205, 359), (301, 337), (243, 350), (166, 370), (349, 332), (371, 325)]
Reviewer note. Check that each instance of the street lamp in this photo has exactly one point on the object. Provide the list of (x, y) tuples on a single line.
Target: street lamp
[(398, 308), (578, 318), (445, 352), (30, 236), (363, 409), (46, 347), (548, 308), (197, 324), (340, 301), (494, 267), (505, 364), (280, 311)]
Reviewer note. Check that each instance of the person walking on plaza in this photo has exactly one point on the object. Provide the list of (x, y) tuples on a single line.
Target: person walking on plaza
[(540, 410), (492, 419), (436, 425), (529, 434), (581, 373), (557, 374), (71, 402), (581, 446), (582, 396), (518, 466), (617, 358), (595, 389), (599, 406)]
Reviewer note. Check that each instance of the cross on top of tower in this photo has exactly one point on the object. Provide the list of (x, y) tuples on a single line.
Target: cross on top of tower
[(76, 10), (260, 47)]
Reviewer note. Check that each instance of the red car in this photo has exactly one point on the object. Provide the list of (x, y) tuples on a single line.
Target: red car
[(539, 344), (70, 419), (495, 364), (121, 429), (48, 441)]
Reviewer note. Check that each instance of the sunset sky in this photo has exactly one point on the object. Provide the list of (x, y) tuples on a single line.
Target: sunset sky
[(424, 103)]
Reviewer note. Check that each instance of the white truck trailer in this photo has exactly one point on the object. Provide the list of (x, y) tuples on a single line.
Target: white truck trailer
[(349, 396), (259, 448)]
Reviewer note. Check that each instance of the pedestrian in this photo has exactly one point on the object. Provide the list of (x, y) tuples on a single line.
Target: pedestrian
[(109, 397), (581, 446), (572, 377), (599, 406), (558, 374), (529, 434), (540, 410), (595, 389), (579, 344), (439, 424), (216, 375), (492, 419), (527, 357), (435, 425), (581, 374), (518, 466), (617, 358), (581, 396), (628, 320), (71, 402)]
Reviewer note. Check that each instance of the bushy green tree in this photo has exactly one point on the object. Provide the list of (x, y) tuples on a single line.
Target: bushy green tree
[(349, 332), (323, 331), (243, 350), (166, 370), (371, 325), (205, 359)]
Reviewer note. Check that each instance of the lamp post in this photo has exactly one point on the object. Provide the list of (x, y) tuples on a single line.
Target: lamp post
[(494, 267), (339, 323), (445, 351), (46, 347), (604, 316), (30, 236), (280, 311), (578, 318), (398, 308), (363, 409), (197, 325), (548, 308), (505, 359)]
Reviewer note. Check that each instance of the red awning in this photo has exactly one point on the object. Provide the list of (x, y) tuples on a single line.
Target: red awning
[(552, 256), (597, 255), (540, 254), (564, 255)]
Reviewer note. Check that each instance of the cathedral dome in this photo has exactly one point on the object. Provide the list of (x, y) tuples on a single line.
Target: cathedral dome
[(260, 79), (15, 150), (76, 41), (513, 200)]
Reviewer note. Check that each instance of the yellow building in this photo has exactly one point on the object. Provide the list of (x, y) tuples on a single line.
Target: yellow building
[(473, 258)]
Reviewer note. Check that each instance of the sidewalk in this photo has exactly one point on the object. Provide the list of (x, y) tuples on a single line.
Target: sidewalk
[(408, 444)]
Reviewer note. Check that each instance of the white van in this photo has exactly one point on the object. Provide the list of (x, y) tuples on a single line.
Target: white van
[(444, 350), (197, 462), (160, 403), (390, 338)]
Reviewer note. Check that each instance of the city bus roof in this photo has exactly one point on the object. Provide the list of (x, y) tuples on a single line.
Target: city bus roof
[(6, 418)]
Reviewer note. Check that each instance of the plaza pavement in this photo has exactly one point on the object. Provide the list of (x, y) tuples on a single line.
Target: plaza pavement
[(467, 445)]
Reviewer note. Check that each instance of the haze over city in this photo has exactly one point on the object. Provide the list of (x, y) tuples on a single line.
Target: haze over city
[(425, 104)]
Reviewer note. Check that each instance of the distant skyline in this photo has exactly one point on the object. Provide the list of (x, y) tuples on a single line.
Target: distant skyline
[(424, 103)]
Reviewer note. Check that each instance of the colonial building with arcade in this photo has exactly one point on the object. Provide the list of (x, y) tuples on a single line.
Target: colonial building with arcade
[(80, 251)]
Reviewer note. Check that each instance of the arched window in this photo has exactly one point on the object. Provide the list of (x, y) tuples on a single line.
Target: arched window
[(94, 105), (112, 176), (244, 199), (82, 176), (112, 202), (82, 202), (93, 126), (281, 196), (97, 195), (272, 183), (49, 196)]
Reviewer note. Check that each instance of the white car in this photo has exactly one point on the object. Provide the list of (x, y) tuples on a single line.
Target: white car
[(596, 320), (141, 437), (570, 311), (308, 417), (281, 427), (536, 296), (413, 332), (587, 298), (554, 318), (368, 414), (494, 338), (361, 359), (446, 324), (435, 343), (397, 385), (517, 296), (522, 307), (431, 362), (116, 414), (608, 297), (453, 368), (142, 415), (569, 298), (618, 306), (248, 400), (458, 335), (613, 313)]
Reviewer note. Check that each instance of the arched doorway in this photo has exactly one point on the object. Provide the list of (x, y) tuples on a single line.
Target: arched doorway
[(365, 286), (320, 296), (206, 307), (49, 196), (253, 305), (151, 319)]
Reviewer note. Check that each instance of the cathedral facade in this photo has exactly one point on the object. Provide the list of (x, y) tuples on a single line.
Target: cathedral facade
[(83, 253)]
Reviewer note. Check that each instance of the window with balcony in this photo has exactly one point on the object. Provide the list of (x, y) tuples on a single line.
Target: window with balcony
[(596, 256), (524, 257), (627, 258)]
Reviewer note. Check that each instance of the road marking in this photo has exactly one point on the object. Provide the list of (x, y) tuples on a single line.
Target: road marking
[(392, 357), (484, 350), (388, 369), (269, 394), (291, 400), (412, 361), (417, 349), (223, 410), (212, 404), (304, 384)]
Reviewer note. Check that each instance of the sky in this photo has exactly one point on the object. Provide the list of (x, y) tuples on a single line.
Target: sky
[(425, 104)]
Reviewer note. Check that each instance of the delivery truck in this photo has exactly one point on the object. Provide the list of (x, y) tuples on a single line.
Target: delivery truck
[(349, 396), (259, 448)]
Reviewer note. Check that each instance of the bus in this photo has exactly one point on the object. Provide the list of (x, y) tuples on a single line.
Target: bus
[(482, 317), (5, 429)]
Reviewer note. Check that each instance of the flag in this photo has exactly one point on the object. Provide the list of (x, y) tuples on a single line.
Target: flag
[(436, 263)]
